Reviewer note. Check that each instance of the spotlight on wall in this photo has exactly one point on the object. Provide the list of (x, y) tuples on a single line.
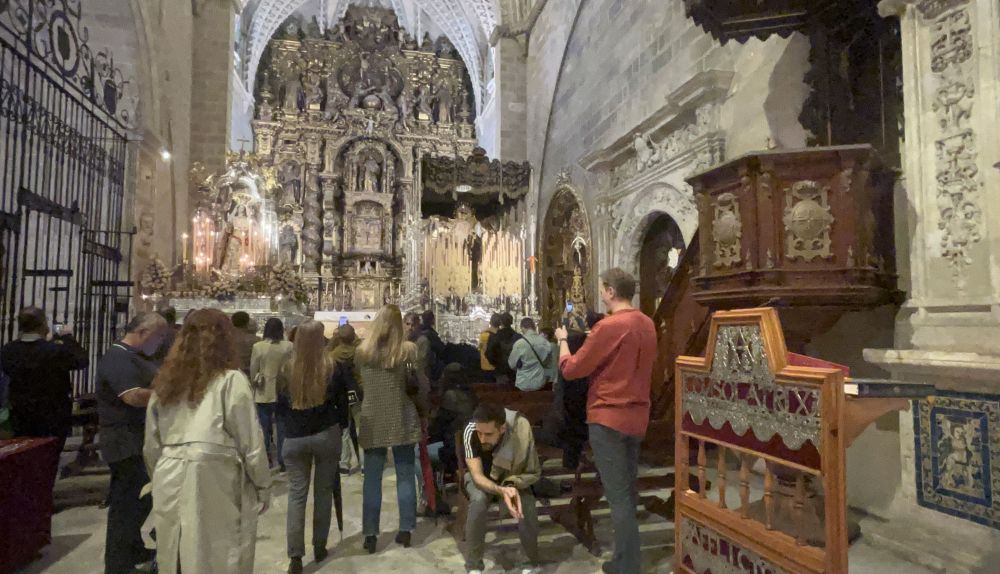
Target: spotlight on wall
[(165, 154)]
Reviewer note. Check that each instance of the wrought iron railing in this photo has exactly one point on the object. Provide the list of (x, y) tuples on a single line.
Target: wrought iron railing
[(65, 180)]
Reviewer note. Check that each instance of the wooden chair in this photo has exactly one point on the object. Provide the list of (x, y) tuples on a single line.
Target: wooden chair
[(746, 401)]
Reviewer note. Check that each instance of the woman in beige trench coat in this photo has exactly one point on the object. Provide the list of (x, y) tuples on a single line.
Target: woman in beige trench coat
[(205, 454)]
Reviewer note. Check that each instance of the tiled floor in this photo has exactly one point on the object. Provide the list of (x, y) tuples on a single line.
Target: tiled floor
[(78, 542)]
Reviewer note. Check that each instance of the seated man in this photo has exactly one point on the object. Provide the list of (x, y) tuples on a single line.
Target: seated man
[(502, 462)]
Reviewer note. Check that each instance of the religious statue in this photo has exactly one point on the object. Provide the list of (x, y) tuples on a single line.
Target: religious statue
[(404, 110), (290, 184), (409, 42), (348, 298), (336, 101), (644, 151), (238, 234), (313, 91), (447, 49), (337, 33), (293, 87), (288, 245), (312, 29), (427, 45), (423, 103), (443, 99), (264, 111), (370, 176)]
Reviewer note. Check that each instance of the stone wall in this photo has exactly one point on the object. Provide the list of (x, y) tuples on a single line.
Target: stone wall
[(151, 42), (602, 71)]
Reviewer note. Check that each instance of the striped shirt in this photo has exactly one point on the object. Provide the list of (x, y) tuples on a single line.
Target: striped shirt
[(474, 448)]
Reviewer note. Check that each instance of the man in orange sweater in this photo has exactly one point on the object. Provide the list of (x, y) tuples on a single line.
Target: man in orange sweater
[(618, 357)]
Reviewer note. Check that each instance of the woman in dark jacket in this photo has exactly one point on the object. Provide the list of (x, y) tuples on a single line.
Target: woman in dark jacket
[(312, 406)]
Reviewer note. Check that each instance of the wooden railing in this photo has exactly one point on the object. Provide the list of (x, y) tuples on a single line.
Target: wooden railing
[(681, 329), (745, 411)]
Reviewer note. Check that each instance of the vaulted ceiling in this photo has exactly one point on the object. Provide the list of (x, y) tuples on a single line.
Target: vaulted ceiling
[(466, 23)]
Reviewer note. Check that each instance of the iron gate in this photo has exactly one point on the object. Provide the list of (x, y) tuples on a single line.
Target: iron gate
[(64, 164)]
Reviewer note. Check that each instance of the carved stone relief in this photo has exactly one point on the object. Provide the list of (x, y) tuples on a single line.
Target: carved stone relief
[(956, 169), (807, 221), (649, 153), (727, 230)]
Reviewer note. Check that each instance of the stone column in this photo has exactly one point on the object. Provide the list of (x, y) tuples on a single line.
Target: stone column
[(212, 67), (947, 512), (511, 97)]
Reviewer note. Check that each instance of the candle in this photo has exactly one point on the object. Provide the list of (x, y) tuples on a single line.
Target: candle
[(184, 248)]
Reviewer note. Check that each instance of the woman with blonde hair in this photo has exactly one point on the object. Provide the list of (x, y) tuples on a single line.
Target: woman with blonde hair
[(388, 420), (205, 453), (312, 406)]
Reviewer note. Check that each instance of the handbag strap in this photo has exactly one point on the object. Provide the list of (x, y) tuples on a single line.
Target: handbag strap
[(532, 347)]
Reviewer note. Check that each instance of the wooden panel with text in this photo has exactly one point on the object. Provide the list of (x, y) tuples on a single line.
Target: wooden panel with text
[(760, 430)]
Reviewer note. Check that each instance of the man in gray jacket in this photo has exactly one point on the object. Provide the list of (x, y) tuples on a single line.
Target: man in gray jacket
[(530, 356)]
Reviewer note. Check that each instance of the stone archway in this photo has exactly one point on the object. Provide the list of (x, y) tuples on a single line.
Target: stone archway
[(565, 256), (635, 216), (659, 254)]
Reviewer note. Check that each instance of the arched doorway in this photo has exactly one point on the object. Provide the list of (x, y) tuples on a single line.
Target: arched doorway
[(565, 257), (659, 254)]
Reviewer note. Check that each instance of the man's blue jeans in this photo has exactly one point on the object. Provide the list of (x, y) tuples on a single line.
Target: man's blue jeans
[(406, 488), (617, 458)]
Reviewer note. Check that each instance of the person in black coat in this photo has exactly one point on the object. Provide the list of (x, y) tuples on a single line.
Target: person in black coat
[(573, 434), (39, 367), (457, 405), (499, 347)]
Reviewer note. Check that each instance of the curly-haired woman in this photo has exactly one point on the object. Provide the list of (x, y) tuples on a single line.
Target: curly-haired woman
[(205, 453)]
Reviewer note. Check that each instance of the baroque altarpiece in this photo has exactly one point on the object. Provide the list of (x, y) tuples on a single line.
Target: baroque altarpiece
[(343, 120), (366, 184)]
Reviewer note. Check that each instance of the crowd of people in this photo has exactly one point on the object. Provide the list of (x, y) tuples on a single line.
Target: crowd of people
[(196, 418)]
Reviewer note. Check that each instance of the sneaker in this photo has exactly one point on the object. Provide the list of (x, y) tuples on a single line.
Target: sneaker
[(475, 572)]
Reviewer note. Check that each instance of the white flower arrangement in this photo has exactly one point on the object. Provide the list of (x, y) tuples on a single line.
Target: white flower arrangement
[(285, 282), (155, 278)]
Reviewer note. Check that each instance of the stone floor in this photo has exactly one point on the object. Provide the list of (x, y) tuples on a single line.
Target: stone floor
[(78, 540)]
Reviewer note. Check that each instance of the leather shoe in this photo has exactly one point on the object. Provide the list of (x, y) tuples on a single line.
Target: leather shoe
[(295, 566), (321, 554), (370, 543), (403, 537)]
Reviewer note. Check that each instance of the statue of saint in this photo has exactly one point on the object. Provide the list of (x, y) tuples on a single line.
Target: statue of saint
[(293, 87), (290, 184), (409, 42), (424, 103), (288, 245), (443, 97), (238, 228), (427, 45), (370, 177), (645, 153), (404, 109), (313, 91)]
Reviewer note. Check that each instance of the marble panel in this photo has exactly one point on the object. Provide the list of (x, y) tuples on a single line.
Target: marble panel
[(957, 447)]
